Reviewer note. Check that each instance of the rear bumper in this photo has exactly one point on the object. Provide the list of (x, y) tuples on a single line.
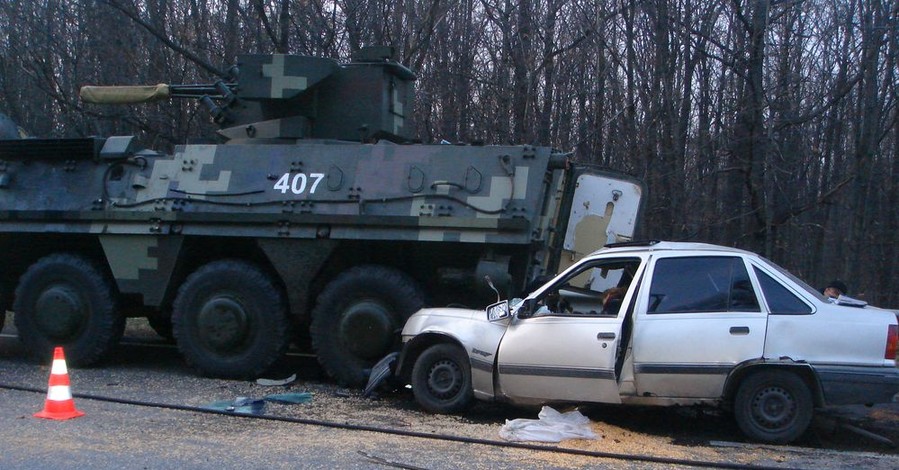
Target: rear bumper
[(850, 385)]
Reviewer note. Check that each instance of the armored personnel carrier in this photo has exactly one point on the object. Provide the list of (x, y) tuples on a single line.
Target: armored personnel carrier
[(312, 217)]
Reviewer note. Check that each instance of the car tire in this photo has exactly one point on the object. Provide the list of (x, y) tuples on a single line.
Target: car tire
[(230, 320), (441, 379), (357, 320), (66, 300), (773, 406)]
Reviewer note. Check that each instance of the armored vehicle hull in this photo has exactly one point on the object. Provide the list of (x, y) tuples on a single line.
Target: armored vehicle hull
[(236, 249)]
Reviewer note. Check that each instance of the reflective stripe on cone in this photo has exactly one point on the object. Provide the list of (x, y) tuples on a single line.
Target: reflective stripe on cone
[(59, 404)]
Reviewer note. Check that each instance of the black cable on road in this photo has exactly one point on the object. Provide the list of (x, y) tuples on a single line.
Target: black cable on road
[(421, 435)]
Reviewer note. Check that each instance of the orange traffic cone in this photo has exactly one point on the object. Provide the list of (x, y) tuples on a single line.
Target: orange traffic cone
[(59, 403)]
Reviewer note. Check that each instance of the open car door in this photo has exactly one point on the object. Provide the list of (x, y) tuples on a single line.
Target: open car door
[(561, 347)]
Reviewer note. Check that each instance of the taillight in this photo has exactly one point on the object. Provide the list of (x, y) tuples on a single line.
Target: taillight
[(892, 342)]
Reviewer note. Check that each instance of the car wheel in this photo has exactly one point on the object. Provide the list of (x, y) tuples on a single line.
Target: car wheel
[(773, 406), (229, 320), (441, 379), (357, 320), (66, 300)]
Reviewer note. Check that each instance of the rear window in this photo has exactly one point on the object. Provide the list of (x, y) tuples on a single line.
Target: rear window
[(780, 300)]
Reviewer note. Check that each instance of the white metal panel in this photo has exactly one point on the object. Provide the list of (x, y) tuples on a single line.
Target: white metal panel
[(832, 335), (603, 210)]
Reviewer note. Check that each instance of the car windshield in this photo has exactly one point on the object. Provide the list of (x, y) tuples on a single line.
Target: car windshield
[(799, 282)]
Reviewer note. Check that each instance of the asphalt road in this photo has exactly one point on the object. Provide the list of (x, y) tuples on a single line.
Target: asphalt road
[(146, 369)]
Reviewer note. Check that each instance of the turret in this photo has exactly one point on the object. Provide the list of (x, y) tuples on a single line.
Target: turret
[(273, 98)]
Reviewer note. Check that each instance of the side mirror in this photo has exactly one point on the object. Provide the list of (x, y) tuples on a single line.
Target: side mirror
[(498, 311)]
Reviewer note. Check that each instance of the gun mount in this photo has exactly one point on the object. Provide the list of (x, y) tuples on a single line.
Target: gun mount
[(286, 97)]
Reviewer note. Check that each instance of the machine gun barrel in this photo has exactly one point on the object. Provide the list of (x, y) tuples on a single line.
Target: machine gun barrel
[(149, 93)]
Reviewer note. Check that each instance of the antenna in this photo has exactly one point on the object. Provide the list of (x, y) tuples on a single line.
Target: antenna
[(490, 283)]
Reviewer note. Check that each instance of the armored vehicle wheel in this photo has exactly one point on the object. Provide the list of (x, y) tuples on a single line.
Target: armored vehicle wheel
[(358, 318), (773, 406), (441, 379), (66, 300), (229, 320)]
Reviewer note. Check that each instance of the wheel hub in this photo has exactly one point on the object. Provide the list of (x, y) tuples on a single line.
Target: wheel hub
[(773, 407), (60, 311), (223, 324), (444, 379), (367, 329)]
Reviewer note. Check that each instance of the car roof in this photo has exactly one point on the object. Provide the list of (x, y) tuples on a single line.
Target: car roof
[(666, 246)]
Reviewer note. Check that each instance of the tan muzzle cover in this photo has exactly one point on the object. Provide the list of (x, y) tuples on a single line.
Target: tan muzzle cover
[(124, 94)]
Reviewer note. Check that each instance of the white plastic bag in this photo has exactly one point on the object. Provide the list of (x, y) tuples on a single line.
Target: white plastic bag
[(551, 427)]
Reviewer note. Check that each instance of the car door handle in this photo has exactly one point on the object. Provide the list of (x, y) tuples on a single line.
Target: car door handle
[(739, 330), (608, 336)]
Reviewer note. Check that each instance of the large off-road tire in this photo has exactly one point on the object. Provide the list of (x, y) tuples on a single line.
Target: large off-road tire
[(66, 300), (358, 318), (773, 406), (441, 379), (230, 320)]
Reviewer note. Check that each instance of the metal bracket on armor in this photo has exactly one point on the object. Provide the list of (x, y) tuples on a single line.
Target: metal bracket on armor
[(426, 210), (117, 148), (529, 151), (139, 181), (512, 210)]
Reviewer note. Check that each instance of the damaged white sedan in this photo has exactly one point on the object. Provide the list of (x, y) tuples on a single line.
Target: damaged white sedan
[(661, 323)]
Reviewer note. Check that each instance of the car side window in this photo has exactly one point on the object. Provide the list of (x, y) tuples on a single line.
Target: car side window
[(701, 284), (780, 300), (594, 289)]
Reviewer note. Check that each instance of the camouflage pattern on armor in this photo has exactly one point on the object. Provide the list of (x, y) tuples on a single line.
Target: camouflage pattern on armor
[(280, 175)]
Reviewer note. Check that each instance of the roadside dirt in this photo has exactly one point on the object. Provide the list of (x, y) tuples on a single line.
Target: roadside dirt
[(689, 433), (148, 368)]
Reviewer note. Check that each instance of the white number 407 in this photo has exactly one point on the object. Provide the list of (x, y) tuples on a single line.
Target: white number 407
[(298, 183)]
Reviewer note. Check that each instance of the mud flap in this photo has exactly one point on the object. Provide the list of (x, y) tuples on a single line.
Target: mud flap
[(380, 372)]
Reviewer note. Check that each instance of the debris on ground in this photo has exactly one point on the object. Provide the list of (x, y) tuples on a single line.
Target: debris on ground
[(242, 405), (255, 406), (551, 426), (290, 398), (276, 382)]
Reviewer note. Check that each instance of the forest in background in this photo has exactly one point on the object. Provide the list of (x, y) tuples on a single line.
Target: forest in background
[(770, 125)]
